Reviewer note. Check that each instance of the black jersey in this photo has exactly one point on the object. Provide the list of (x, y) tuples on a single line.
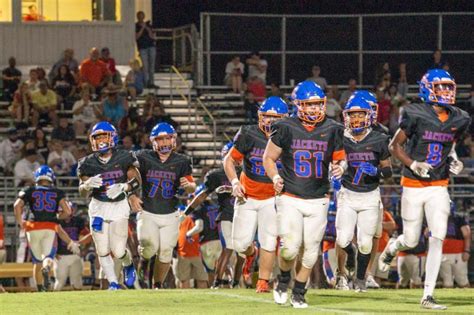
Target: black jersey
[(43, 203), (160, 180), (429, 139), (215, 179), (112, 172), (207, 212), (372, 149), (455, 222), (73, 228), (380, 128), (251, 142), (306, 155)]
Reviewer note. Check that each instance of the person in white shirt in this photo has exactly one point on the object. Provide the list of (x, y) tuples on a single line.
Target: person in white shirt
[(84, 113), (60, 160), (10, 149), (25, 168), (233, 74), (257, 67), (316, 70)]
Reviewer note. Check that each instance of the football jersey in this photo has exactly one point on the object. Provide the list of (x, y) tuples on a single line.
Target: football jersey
[(112, 172), (160, 180), (73, 228), (431, 140), (372, 149), (454, 240), (208, 213), (43, 203), (380, 128), (306, 155), (217, 178)]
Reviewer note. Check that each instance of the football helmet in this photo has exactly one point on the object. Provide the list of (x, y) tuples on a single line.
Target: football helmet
[(437, 87), (272, 109), (310, 101), (370, 97), (357, 114), (226, 148), (163, 138), (103, 137), (44, 172)]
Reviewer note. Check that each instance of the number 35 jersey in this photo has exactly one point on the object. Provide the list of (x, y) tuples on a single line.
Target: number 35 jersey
[(306, 154), (160, 180), (43, 203), (430, 139)]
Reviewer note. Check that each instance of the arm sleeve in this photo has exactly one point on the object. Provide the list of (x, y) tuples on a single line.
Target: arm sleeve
[(338, 153), (407, 123)]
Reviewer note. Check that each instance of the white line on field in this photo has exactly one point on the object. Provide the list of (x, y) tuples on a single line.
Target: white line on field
[(255, 299)]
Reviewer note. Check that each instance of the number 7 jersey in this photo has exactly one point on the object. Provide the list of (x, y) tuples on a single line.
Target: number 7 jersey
[(430, 139)]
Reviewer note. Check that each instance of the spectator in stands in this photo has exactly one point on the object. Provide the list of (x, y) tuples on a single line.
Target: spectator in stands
[(25, 168), (22, 129), (251, 108), (3, 252), (64, 131), (150, 102), (347, 93), (33, 15), (94, 71), (41, 143), (438, 62), (128, 144), (42, 75), (316, 71), (11, 77), (68, 60), (402, 80), (132, 122), (333, 109), (275, 90), (385, 108), (33, 81), (44, 102), (146, 47), (110, 62), (257, 67), (233, 74), (257, 87), (60, 159), (21, 106), (84, 113), (159, 115), (114, 107), (135, 80), (10, 151), (64, 85), (381, 72)]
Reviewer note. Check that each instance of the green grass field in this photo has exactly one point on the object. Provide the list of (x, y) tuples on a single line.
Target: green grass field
[(228, 302)]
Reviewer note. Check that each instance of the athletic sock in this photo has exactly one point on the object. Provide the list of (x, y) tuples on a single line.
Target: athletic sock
[(285, 276), (349, 249), (107, 264), (433, 262), (362, 263), (300, 287)]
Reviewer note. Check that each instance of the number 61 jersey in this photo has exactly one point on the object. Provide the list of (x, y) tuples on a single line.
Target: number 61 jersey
[(160, 180), (430, 139)]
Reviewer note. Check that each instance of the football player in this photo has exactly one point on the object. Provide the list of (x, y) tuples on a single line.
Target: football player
[(163, 171), (46, 204), (109, 174), (216, 181), (255, 198), (307, 144), (429, 130), (358, 201)]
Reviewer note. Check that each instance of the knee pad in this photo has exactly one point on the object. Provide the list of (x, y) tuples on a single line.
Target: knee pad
[(288, 253), (268, 243), (146, 249), (240, 246), (365, 245), (411, 239), (310, 256), (166, 255), (342, 241), (102, 251)]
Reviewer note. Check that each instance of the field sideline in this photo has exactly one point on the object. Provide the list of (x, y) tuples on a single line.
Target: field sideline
[(228, 302)]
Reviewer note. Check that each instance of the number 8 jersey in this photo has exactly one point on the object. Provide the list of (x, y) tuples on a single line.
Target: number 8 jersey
[(160, 180), (430, 139)]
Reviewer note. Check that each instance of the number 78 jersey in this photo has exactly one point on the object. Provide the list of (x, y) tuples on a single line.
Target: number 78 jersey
[(306, 155), (430, 139)]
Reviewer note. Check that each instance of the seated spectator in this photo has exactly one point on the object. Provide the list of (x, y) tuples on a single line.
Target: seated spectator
[(64, 85), (33, 15), (64, 132), (233, 74), (275, 91), (257, 87), (114, 107), (24, 169), (22, 129), (150, 102), (316, 71), (44, 103), (132, 122), (59, 159), (110, 62), (41, 143), (257, 67), (347, 93), (84, 113), (10, 151), (11, 77), (333, 109), (69, 61), (383, 115), (20, 109), (251, 108), (94, 72), (33, 81), (42, 76), (135, 80), (382, 72), (159, 115)]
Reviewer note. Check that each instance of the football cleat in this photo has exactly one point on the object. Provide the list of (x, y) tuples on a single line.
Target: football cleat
[(386, 258), (298, 300), (129, 276), (217, 284), (262, 286), (46, 282), (360, 286), (430, 303), (114, 286), (235, 284), (371, 283), (342, 283), (280, 293)]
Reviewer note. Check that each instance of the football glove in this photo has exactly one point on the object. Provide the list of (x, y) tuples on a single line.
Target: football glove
[(456, 167), (92, 182), (74, 248), (368, 168), (115, 190), (421, 168)]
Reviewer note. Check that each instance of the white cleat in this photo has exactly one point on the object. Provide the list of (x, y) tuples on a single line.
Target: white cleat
[(280, 297), (341, 283), (298, 301), (386, 258), (371, 283), (430, 303)]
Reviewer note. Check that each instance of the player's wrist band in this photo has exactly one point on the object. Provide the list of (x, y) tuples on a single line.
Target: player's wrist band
[(275, 178), (384, 172), (234, 181), (134, 184)]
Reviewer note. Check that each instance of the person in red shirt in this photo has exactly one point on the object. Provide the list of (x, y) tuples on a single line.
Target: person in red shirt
[(383, 116), (257, 88), (110, 62), (94, 71)]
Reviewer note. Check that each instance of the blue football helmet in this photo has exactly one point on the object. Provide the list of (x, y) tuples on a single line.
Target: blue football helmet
[(358, 114), (163, 138), (44, 172), (226, 148), (437, 87), (372, 99), (310, 100), (272, 109), (103, 137)]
